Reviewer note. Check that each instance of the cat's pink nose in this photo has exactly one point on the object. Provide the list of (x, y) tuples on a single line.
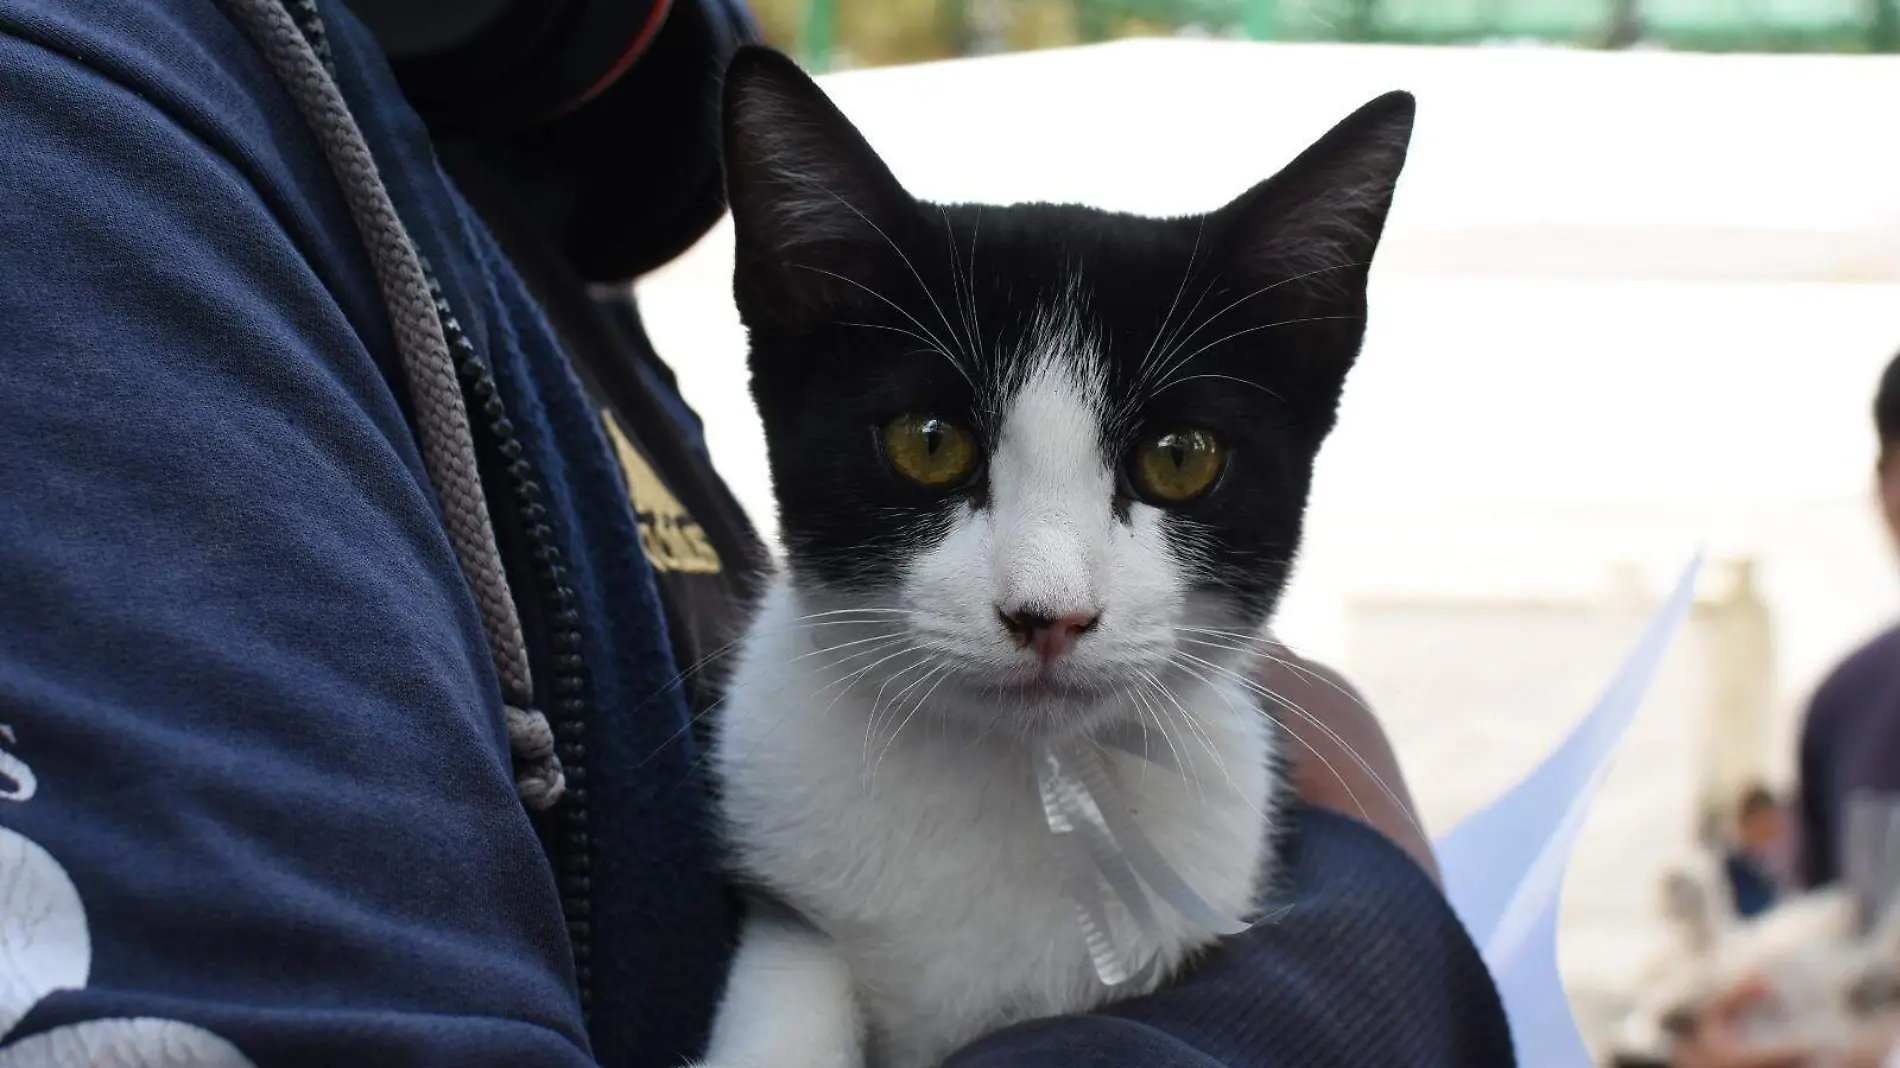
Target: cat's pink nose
[(1049, 636)]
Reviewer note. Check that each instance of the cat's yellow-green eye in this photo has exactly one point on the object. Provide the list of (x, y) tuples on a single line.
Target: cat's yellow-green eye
[(1175, 466), (930, 451)]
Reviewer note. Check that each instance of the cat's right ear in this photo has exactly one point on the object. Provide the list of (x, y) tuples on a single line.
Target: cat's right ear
[(812, 205), (1318, 221)]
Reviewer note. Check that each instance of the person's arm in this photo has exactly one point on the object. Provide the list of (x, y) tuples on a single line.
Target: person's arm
[(1363, 961), (257, 805), (1342, 759), (1366, 965)]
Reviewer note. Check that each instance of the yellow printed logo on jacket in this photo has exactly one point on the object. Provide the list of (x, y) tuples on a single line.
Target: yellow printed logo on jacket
[(672, 539)]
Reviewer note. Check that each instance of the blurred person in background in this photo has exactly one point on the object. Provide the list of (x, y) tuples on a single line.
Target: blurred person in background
[(1849, 748), (1850, 738), (1752, 861)]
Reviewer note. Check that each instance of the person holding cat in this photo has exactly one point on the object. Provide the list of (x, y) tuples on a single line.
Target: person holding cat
[(367, 596)]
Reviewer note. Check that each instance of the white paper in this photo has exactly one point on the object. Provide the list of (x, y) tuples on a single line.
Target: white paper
[(1504, 865)]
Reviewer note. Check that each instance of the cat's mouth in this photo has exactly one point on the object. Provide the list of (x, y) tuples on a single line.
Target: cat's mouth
[(1038, 702), (1049, 704), (1045, 688), (1074, 687)]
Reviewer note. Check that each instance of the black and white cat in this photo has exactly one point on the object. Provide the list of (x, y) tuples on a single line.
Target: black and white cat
[(1041, 473)]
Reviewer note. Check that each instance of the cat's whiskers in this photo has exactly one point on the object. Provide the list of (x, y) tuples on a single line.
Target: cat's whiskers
[(1321, 757), (1148, 711), (694, 721), (1294, 707), (931, 344), (1194, 725), (1168, 378), (1132, 695), (1236, 710), (889, 636), (1162, 720), (969, 273), (851, 680), (1183, 723), (1131, 407), (804, 622), (1199, 227), (868, 221), (937, 344), (1206, 291), (1129, 703), (1188, 719), (885, 642), (877, 700), (1264, 647), (1216, 317), (860, 673), (963, 297), (1274, 695), (796, 623), (1268, 288), (1173, 382), (940, 672)]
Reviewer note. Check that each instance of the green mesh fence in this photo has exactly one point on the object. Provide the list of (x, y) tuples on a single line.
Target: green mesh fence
[(1713, 25), (887, 31)]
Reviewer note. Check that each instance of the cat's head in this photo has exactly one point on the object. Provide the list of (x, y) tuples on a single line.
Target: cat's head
[(1065, 451)]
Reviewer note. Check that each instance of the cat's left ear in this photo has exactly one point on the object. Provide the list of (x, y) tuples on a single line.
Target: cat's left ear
[(814, 209), (1314, 226)]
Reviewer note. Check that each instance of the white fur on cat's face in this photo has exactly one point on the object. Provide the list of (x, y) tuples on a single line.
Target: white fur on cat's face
[(1048, 541)]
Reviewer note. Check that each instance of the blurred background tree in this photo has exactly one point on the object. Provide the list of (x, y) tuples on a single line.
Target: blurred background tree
[(830, 34)]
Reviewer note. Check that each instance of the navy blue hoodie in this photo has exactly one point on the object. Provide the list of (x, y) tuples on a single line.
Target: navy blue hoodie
[(256, 802)]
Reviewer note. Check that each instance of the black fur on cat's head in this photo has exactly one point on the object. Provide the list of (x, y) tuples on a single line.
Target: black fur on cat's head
[(994, 411)]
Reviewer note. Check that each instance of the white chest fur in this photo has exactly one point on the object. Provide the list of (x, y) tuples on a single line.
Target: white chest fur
[(921, 851)]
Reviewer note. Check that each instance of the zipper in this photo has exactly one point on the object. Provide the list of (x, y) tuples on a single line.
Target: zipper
[(570, 846), (562, 676)]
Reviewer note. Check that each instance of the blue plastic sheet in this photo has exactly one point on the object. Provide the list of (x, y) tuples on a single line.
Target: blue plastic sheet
[(1504, 866)]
